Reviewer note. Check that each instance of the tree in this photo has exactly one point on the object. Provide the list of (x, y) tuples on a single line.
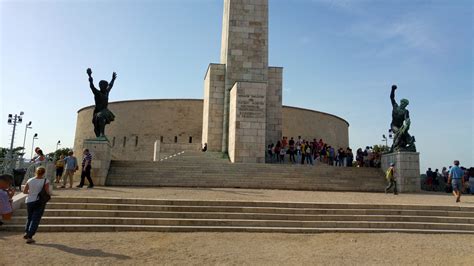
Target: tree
[(380, 148), (17, 152), (58, 153)]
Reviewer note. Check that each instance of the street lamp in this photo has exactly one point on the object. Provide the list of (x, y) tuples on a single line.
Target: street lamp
[(33, 144), (13, 120), (384, 138), (24, 138)]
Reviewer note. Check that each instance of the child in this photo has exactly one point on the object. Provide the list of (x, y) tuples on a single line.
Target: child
[(6, 195)]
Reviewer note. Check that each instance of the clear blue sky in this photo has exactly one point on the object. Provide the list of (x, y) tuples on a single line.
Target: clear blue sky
[(339, 56)]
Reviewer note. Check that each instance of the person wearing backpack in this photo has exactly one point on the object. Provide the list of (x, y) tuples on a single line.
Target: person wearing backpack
[(392, 182), (37, 191)]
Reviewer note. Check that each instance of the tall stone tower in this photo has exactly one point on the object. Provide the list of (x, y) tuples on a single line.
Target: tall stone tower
[(242, 95)]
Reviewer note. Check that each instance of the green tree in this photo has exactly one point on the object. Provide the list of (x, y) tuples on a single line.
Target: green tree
[(17, 152), (380, 148), (59, 152)]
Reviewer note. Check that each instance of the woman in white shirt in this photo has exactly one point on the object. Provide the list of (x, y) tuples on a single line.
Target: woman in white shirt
[(35, 207)]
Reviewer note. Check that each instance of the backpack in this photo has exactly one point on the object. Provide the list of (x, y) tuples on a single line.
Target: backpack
[(389, 174)]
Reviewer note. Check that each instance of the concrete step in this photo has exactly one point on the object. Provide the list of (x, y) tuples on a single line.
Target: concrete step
[(155, 228), (78, 214), (249, 216), (246, 223)]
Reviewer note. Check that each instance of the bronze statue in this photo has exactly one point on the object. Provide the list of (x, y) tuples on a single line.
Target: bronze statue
[(402, 141), (102, 115)]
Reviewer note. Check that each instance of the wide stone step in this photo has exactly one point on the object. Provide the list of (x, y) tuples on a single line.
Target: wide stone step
[(258, 210), (250, 216), (240, 203), (247, 223), (154, 228)]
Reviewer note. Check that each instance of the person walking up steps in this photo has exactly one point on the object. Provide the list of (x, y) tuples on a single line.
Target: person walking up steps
[(456, 179), (34, 204), (390, 175), (71, 167), (86, 169)]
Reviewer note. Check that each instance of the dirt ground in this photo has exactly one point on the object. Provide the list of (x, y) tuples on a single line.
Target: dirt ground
[(237, 248)]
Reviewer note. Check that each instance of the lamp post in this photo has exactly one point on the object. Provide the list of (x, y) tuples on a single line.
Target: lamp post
[(384, 138), (35, 136), (13, 120), (24, 142)]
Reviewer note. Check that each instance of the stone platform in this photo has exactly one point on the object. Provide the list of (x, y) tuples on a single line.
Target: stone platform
[(211, 170)]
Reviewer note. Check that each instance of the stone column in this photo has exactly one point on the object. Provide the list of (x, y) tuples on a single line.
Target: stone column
[(156, 153), (407, 170), (101, 156)]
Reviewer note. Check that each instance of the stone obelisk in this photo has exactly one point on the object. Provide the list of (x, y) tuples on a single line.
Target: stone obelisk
[(242, 95)]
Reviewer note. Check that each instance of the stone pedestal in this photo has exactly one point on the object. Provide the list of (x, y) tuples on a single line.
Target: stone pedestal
[(101, 156), (247, 122), (407, 170)]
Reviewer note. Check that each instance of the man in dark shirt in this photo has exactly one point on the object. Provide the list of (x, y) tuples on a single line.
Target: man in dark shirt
[(86, 169)]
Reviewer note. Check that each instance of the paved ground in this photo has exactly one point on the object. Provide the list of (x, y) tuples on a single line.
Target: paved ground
[(426, 198), (237, 248)]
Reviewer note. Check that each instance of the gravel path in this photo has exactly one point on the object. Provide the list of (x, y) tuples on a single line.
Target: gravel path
[(267, 195), (237, 248)]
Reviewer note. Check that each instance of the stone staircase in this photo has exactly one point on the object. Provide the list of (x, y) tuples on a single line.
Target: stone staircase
[(69, 214), (198, 169)]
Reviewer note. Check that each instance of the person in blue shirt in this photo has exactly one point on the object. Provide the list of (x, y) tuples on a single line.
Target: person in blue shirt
[(456, 179)]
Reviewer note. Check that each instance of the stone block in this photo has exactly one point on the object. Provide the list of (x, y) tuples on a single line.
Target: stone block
[(407, 170)]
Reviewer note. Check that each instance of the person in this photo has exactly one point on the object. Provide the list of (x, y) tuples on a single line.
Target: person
[(349, 158), (436, 174), (39, 158), (308, 154), (270, 152), (34, 206), (204, 149), (71, 167), (429, 179), (59, 169), (277, 150), (282, 155), (86, 169), (292, 150), (392, 182), (6, 195), (456, 179)]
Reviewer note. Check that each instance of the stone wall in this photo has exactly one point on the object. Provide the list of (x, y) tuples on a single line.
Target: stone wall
[(139, 124), (213, 107), (150, 119), (312, 124), (247, 122), (274, 123)]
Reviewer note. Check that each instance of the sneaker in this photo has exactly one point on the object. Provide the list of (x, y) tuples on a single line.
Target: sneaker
[(63, 186), (79, 186), (30, 241)]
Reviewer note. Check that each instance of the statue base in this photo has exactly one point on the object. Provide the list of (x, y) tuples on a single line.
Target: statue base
[(407, 169), (100, 149)]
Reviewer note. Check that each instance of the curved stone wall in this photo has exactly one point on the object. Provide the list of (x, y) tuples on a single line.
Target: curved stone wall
[(178, 123)]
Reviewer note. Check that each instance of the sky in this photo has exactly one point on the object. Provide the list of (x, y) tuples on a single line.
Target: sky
[(339, 56)]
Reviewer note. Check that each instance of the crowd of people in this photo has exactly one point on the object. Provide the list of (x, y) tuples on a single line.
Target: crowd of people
[(301, 151), (438, 181)]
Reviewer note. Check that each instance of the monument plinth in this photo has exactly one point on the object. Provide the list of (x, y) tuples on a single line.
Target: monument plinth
[(101, 156), (407, 169)]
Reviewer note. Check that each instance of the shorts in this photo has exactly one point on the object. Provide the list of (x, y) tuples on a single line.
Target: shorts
[(457, 184), (59, 171)]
